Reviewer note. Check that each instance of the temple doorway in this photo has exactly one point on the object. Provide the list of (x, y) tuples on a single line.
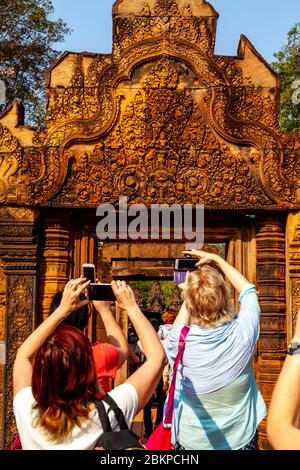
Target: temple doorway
[(147, 266)]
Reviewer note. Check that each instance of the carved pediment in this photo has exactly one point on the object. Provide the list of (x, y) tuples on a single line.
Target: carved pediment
[(161, 149)]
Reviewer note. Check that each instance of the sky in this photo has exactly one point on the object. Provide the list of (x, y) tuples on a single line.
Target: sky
[(265, 22)]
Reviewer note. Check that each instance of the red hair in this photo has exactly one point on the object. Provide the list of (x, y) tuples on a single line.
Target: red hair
[(64, 381), (169, 316)]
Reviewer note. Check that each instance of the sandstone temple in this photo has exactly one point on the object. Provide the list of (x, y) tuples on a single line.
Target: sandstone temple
[(161, 120)]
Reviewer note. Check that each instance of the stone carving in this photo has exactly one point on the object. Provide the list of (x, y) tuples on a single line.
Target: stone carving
[(14, 214), (156, 302), (10, 161), (161, 119), (19, 327), (53, 268), (85, 99), (293, 265), (270, 269), (161, 151), (164, 20), (295, 295), (176, 299)]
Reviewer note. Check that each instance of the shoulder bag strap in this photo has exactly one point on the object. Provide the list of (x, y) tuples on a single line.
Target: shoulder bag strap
[(103, 415), (170, 405), (117, 411)]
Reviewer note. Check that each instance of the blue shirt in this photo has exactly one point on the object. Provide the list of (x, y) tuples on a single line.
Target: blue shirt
[(217, 402)]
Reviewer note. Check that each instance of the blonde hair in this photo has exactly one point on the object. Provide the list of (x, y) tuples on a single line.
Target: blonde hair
[(207, 298)]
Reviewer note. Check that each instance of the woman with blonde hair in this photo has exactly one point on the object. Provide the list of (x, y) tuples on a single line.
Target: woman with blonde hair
[(217, 401)]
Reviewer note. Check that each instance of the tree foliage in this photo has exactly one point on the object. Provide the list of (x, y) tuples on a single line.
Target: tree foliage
[(27, 35), (287, 66)]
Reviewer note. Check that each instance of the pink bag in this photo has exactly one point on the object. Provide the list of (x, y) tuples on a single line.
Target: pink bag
[(160, 439)]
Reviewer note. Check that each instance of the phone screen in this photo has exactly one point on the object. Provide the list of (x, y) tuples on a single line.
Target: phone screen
[(186, 264), (89, 272), (101, 292)]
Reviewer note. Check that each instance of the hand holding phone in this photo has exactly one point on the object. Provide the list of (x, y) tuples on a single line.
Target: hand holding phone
[(124, 295)]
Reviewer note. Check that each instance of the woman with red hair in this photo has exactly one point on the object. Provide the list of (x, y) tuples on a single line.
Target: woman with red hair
[(54, 398)]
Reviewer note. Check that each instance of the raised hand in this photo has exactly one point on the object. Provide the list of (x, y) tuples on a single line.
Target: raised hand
[(71, 296), (124, 295), (204, 257)]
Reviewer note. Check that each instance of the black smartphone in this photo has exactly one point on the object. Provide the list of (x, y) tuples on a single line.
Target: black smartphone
[(186, 264), (89, 272), (101, 292)]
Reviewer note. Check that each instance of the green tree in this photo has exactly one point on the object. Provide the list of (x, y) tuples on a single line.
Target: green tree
[(27, 35), (288, 68)]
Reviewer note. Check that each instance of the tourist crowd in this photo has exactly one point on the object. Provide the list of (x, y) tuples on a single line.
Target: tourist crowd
[(63, 395)]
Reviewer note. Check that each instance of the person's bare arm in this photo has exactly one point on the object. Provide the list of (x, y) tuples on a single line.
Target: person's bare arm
[(115, 335), (182, 317), (22, 372), (146, 378), (237, 279), (283, 424)]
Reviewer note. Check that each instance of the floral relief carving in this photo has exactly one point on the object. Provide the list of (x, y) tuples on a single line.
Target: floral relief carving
[(165, 19), (295, 295), (19, 322), (165, 152), (10, 162)]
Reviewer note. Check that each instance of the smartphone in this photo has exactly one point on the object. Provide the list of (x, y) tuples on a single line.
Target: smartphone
[(186, 264), (101, 292), (88, 271)]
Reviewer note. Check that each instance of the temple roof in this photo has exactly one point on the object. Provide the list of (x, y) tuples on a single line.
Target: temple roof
[(198, 8)]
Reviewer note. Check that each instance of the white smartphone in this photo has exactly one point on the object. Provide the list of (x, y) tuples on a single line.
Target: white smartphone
[(89, 272)]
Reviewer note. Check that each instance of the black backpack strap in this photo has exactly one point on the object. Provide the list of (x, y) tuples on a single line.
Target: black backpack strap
[(117, 411), (103, 416)]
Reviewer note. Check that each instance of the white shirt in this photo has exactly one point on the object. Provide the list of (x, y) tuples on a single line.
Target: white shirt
[(84, 438)]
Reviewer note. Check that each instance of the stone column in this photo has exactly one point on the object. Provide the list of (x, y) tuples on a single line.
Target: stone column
[(270, 239), (18, 248), (54, 258)]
